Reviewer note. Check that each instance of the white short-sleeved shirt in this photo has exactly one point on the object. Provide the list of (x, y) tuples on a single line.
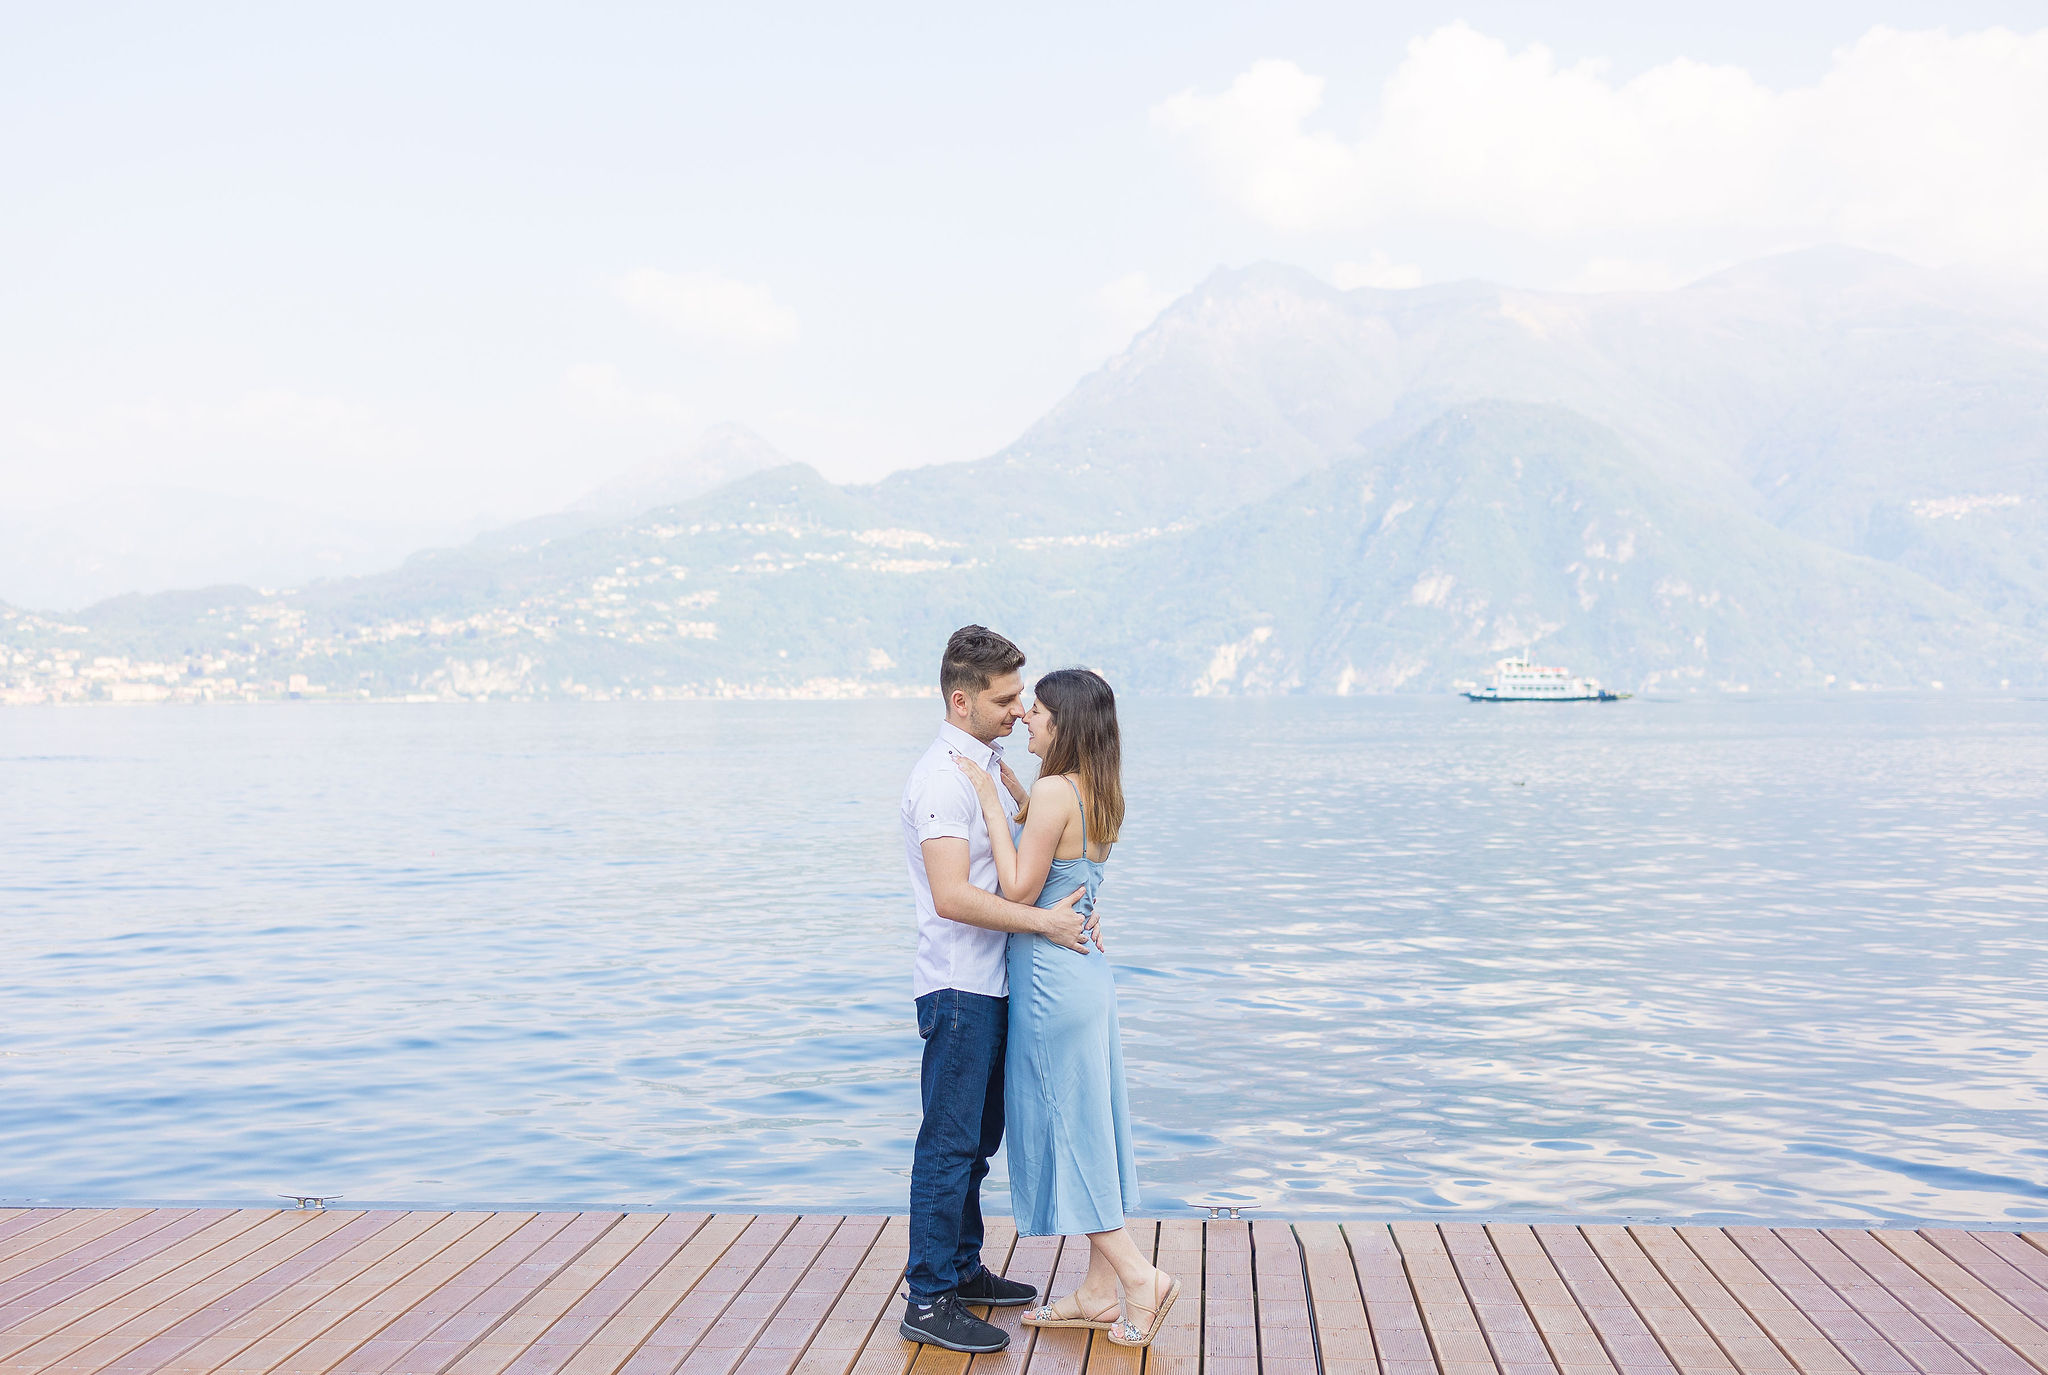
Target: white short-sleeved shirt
[(939, 801)]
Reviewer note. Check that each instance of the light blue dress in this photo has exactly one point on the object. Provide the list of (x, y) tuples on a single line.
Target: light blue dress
[(1067, 1124)]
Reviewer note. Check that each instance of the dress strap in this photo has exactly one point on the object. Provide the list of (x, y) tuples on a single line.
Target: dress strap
[(1084, 815)]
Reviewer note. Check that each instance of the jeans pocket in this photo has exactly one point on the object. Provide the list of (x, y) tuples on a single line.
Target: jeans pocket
[(927, 1017)]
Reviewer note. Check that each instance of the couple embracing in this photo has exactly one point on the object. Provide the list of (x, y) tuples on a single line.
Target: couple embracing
[(1016, 1005)]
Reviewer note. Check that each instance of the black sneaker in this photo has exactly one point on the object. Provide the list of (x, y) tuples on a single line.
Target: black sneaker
[(987, 1287), (943, 1322)]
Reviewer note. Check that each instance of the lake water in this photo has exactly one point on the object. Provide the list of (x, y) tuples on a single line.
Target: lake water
[(1780, 959)]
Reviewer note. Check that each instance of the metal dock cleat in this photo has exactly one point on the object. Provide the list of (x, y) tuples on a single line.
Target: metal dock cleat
[(316, 1201)]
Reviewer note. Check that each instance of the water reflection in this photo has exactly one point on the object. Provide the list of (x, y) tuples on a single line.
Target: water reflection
[(1764, 959)]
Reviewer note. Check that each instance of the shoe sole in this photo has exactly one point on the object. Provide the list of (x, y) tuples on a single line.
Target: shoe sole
[(1029, 1298), (912, 1334)]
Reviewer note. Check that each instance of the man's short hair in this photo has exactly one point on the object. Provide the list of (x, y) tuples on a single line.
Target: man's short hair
[(974, 656)]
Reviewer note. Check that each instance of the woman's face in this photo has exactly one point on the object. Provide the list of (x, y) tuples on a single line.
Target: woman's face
[(1038, 722)]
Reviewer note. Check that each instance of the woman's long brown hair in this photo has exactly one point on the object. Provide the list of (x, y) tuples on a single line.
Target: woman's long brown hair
[(1085, 742)]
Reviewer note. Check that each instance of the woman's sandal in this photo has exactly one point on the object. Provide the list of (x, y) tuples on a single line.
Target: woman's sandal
[(1046, 1315), (1127, 1333)]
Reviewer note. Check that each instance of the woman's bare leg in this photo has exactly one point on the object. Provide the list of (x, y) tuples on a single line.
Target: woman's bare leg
[(1116, 1252), (1094, 1297), (1097, 1291)]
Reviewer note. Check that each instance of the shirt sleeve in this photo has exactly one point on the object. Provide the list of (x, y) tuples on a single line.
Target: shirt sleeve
[(943, 805)]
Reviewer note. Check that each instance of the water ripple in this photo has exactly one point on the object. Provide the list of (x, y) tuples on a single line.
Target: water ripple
[(1766, 960)]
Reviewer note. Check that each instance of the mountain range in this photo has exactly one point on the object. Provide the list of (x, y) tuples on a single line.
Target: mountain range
[(1823, 469)]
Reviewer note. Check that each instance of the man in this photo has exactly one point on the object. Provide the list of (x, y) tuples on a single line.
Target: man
[(961, 983)]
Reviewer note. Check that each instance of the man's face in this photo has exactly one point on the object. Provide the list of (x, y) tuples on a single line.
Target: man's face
[(992, 712)]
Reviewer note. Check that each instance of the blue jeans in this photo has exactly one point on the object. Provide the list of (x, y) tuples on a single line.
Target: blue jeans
[(962, 1082)]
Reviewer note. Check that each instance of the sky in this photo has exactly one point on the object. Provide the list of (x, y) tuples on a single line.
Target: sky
[(446, 266)]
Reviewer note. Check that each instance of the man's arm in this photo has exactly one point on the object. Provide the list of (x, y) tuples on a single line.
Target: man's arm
[(957, 899)]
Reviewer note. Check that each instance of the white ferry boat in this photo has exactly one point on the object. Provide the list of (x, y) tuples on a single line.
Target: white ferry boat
[(1518, 680)]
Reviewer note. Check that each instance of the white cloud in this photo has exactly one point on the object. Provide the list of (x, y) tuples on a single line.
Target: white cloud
[(1378, 270), (1929, 144), (708, 307), (599, 389)]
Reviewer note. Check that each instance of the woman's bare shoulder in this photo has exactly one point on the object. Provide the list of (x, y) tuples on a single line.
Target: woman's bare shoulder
[(1053, 790)]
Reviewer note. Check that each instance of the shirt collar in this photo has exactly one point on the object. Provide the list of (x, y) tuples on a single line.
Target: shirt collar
[(960, 742)]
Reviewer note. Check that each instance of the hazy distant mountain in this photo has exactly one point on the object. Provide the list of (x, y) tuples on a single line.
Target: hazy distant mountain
[(1499, 525), (1253, 379), (158, 537), (1822, 468), (720, 455), (1846, 396)]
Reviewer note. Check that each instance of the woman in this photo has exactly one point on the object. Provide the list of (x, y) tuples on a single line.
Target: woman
[(1072, 1170)]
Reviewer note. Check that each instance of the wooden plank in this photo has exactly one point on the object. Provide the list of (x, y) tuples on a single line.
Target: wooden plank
[(747, 1317), (1996, 1305), (365, 1334), (1105, 1357), (504, 1343), (1285, 1340), (616, 1287), (9, 1217), (1511, 1332), (1832, 1314), (864, 1308), (1230, 1311), (1032, 1262), (216, 1292), (118, 1328), (471, 1286), (170, 1349), (612, 1345), (1825, 1268), (1923, 1343), (797, 1321), (2020, 1275), (697, 1314), (69, 1231), (1679, 1330), (1986, 1348), (1795, 1334), (1630, 1344), (1343, 1334), (65, 1252), (1178, 1350), (37, 1221), (1399, 1335), (35, 1337), (85, 1255), (1741, 1338), (41, 1225), (1454, 1331), (1567, 1333), (1062, 1350), (236, 1346), (999, 1239), (2009, 1247)]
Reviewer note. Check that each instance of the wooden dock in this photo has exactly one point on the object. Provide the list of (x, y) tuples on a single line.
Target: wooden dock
[(191, 1291)]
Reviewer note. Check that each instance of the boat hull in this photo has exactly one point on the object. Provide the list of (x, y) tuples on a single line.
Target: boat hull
[(1484, 696)]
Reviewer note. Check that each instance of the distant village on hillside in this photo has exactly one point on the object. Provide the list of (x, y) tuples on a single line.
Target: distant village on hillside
[(1823, 471)]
